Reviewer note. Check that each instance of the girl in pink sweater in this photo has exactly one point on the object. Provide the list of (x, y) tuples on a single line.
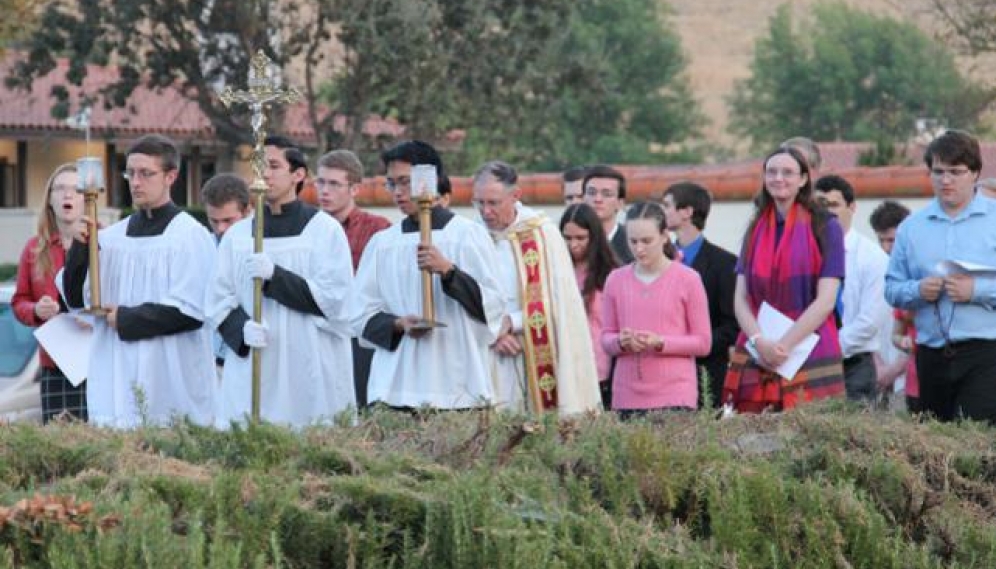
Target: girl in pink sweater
[(655, 320)]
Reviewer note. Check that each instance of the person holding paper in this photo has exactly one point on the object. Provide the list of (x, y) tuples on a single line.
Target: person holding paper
[(792, 259), (655, 318), (150, 356), (36, 298), (413, 366), (954, 312), (306, 363)]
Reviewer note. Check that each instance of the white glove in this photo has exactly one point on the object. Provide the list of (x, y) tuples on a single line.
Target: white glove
[(253, 334), (259, 266)]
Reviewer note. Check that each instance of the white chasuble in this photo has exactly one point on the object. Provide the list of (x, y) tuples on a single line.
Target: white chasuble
[(572, 369)]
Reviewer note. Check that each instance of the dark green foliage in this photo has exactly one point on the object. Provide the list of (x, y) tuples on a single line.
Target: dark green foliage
[(827, 486), (8, 272), (850, 75), (29, 457), (541, 84)]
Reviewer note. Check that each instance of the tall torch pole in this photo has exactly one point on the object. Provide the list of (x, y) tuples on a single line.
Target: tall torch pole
[(263, 91)]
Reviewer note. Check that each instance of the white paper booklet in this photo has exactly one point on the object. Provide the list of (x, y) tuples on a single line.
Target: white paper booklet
[(68, 342), (773, 325), (953, 267)]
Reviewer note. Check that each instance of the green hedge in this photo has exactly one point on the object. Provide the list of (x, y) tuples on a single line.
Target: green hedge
[(828, 486)]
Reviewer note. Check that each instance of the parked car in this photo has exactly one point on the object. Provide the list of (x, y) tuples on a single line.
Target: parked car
[(20, 394)]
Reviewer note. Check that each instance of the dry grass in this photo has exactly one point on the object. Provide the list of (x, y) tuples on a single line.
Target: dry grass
[(718, 37)]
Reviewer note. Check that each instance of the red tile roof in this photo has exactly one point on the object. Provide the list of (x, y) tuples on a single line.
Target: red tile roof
[(165, 111)]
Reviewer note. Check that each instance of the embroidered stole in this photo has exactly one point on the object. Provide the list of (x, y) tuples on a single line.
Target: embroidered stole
[(540, 349)]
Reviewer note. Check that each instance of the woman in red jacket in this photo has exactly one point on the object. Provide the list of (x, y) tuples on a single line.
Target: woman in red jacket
[(36, 299)]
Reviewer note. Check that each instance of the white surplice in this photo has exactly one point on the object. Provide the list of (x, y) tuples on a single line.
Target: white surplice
[(306, 367), (174, 374), (447, 368)]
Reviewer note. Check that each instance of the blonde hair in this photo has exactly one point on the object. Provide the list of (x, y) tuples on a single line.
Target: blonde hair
[(47, 225)]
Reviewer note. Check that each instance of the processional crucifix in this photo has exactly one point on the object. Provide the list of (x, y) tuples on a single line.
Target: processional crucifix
[(263, 91)]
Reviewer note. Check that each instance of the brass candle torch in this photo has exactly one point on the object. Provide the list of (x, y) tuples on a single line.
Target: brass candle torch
[(424, 179), (90, 182)]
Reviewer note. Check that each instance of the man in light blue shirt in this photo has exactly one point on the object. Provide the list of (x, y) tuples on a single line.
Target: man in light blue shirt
[(953, 308)]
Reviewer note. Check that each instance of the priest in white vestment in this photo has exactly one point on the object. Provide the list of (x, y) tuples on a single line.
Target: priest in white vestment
[(443, 368), (151, 357), (306, 361), (546, 360)]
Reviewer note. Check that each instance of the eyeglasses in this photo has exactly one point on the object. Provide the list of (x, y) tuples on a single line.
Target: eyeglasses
[(63, 189), (143, 174), (322, 183), (606, 193), (785, 173), (939, 173), (399, 184)]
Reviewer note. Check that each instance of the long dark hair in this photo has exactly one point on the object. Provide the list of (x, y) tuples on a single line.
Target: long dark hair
[(763, 200), (599, 255), (654, 212)]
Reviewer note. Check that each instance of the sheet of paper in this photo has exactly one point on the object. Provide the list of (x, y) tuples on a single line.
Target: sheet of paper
[(954, 267), (68, 342), (773, 325)]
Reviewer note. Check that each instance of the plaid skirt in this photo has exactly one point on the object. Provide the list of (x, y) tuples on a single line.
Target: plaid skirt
[(59, 397), (752, 389)]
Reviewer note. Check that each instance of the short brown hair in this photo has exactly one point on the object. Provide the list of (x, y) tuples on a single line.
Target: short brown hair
[(224, 188), (344, 160), (159, 146)]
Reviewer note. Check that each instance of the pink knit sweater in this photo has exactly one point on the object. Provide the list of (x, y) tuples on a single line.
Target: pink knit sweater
[(674, 306)]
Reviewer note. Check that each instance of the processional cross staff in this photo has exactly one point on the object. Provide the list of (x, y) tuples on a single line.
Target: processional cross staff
[(263, 91)]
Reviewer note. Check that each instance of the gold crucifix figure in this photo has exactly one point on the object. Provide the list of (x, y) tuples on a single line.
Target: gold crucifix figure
[(263, 91)]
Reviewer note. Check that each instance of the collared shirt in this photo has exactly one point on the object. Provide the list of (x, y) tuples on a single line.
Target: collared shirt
[(865, 310), (360, 226), (690, 251), (929, 237)]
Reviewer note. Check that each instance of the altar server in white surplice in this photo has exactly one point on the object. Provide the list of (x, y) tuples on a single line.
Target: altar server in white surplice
[(307, 370), (443, 368), (151, 357)]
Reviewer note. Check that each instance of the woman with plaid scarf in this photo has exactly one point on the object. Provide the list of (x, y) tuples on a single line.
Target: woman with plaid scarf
[(793, 260)]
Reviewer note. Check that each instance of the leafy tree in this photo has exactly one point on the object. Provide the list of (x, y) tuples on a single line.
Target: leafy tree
[(623, 96), (195, 46), (541, 84), (849, 75)]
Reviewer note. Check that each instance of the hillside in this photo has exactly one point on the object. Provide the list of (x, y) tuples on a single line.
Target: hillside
[(719, 35)]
